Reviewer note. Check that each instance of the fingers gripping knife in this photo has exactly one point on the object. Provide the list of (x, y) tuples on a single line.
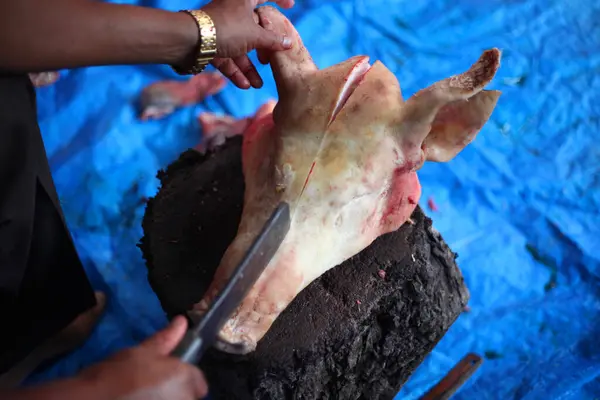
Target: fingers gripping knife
[(202, 336)]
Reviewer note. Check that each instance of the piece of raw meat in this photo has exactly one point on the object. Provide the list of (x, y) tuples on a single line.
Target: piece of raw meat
[(162, 98), (342, 148), (217, 128), (41, 79)]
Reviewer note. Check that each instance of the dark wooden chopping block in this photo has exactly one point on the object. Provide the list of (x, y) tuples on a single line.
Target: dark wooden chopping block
[(354, 333)]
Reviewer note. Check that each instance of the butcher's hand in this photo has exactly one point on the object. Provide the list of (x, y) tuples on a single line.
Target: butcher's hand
[(145, 372), (238, 33)]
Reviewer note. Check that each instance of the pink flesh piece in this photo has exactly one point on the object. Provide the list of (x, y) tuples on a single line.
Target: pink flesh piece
[(342, 148), (41, 79), (217, 128), (162, 98)]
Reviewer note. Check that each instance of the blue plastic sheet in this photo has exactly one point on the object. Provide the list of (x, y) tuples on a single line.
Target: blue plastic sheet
[(519, 205)]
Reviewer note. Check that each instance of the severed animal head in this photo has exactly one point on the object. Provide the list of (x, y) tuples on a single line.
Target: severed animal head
[(342, 148)]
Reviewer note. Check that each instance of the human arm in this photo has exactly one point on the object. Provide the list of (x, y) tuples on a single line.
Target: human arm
[(42, 35), (143, 372), (72, 388)]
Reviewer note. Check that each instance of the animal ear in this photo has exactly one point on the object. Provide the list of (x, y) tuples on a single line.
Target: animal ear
[(456, 124), (443, 118)]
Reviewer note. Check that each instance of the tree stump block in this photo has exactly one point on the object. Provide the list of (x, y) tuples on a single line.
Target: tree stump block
[(357, 332)]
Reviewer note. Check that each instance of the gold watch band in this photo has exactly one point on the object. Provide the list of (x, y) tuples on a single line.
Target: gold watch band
[(208, 43)]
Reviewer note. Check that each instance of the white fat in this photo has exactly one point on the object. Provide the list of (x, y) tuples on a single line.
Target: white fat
[(354, 79)]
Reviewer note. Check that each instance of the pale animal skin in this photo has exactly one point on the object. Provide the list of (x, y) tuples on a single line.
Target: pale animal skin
[(342, 148)]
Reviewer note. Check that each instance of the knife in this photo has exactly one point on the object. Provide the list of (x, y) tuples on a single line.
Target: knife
[(203, 335)]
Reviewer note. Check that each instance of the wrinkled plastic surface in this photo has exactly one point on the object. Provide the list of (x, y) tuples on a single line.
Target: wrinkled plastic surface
[(520, 205)]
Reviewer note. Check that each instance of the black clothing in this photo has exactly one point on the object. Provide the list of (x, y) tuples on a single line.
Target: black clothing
[(43, 285)]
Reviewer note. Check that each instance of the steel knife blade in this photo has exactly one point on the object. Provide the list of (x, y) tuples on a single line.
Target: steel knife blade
[(202, 336)]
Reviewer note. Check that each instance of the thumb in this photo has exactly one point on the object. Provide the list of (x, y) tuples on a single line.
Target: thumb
[(269, 40), (163, 342)]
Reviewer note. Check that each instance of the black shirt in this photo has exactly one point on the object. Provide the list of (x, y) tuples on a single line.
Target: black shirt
[(43, 285)]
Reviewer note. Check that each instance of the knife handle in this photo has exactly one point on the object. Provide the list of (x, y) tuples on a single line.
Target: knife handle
[(188, 348)]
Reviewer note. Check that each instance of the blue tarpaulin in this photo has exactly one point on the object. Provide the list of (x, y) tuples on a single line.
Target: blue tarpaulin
[(520, 205)]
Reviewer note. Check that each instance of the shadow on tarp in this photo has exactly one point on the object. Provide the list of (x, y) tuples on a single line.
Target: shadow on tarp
[(520, 205)]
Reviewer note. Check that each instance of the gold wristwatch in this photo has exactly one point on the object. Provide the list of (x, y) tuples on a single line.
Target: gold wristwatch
[(207, 50)]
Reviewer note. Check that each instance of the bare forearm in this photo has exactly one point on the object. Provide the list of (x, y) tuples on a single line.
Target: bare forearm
[(39, 35)]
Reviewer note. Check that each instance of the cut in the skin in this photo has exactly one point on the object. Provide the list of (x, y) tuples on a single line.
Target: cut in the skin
[(162, 98), (217, 128), (342, 149)]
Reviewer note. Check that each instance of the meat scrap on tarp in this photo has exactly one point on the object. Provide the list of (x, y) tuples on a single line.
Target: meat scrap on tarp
[(162, 98), (42, 79), (217, 128)]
